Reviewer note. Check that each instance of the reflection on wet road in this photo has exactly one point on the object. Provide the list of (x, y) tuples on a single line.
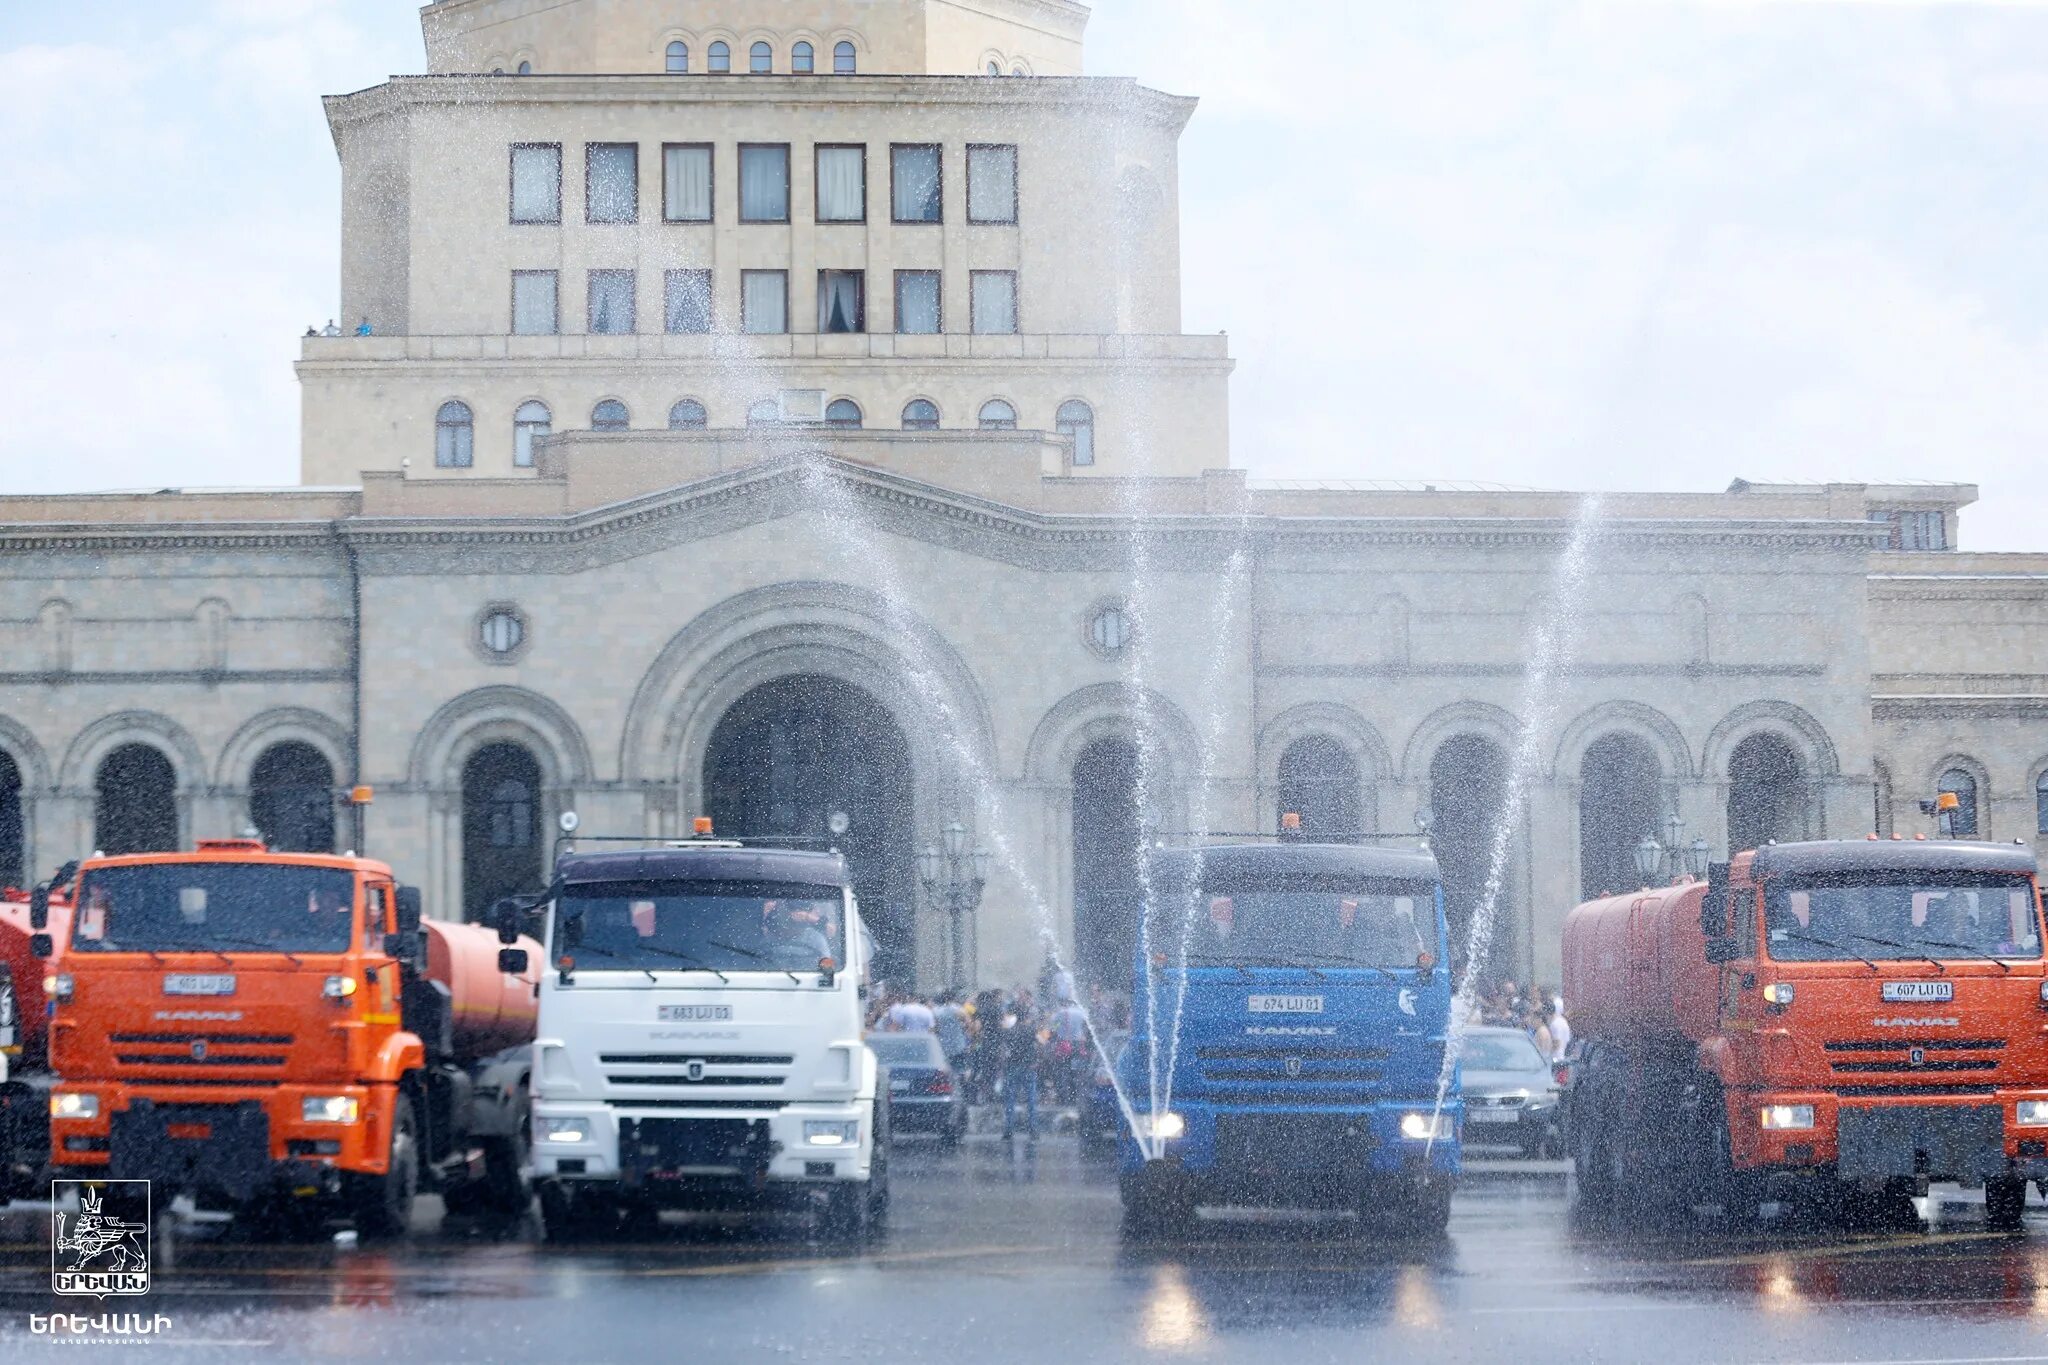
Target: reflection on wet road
[(998, 1255)]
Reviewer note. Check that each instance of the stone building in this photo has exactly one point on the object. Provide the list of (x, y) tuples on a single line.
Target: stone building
[(898, 495)]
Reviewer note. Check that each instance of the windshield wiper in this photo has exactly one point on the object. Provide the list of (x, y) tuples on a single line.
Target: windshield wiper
[(1968, 948), (1826, 943), (194, 948), (605, 952), (1905, 948), (253, 946), (699, 962), (1335, 961), (1289, 966), (1242, 970), (748, 952)]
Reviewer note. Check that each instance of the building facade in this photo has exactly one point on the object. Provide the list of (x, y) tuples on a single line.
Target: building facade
[(770, 587)]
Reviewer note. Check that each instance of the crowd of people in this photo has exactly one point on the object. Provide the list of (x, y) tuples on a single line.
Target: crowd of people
[(1538, 1012), (1008, 1046)]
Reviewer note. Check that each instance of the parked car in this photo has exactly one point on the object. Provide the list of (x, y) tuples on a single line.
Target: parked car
[(1102, 1119), (924, 1093), (1511, 1093)]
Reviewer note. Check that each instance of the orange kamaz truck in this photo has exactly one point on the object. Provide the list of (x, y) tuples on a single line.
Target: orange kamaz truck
[(283, 1035), (24, 1051), (1834, 1022)]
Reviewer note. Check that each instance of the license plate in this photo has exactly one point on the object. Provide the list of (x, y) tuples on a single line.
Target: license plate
[(1918, 992), (1491, 1115), (1286, 1004), (899, 1087), (186, 984), (694, 1014)]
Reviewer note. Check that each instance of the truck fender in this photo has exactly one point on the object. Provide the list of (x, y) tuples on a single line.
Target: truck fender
[(499, 1099), (1718, 1060), (401, 1054)]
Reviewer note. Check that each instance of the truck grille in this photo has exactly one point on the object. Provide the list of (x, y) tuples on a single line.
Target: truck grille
[(721, 1070), (1916, 1056), (1291, 1142), (1318, 1070), (201, 1053)]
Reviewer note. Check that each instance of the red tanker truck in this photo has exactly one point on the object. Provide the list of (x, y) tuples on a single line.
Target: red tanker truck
[(24, 1054), (1841, 1022), (283, 1035)]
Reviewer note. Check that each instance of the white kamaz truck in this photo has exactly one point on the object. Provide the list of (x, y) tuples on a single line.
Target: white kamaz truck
[(700, 1040)]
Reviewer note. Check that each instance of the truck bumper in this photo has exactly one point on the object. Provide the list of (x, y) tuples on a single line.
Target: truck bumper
[(234, 1149), (658, 1150), (1306, 1157), (1968, 1139)]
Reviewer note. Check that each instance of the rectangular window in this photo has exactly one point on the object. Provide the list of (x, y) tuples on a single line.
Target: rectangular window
[(611, 303), (686, 182), (917, 303), (611, 182), (764, 182), (1914, 530), (689, 301), (537, 182), (842, 184), (991, 184), (994, 302), (764, 301), (842, 301), (916, 190), (536, 303)]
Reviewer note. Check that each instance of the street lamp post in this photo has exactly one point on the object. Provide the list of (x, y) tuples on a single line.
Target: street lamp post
[(953, 880), (1672, 860)]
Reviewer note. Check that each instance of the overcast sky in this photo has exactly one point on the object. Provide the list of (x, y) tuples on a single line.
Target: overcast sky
[(1632, 244)]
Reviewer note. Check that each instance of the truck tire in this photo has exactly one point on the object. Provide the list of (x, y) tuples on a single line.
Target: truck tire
[(1156, 1204), (2005, 1204), (382, 1204), (1426, 1210), (1889, 1209), (878, 1168), (507, 1190), (843, 1218), (567, 1216)]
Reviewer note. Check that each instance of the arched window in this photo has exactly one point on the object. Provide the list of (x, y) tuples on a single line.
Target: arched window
[(678, 59), (1319, 783), (761, 59), (526, 68), (610, 415), (13, 844), (501, 795), (1077, 424), (688, 415), (718, 58), (2041, 804), (532, 420), (996, 415), (454, 436), (921, 414), (803, 59), (1621, 799), (995, 68), (843, 60), (291, 798), (136, 806), (1768, 795), (1017, 71), (842, 412), (765, 413), (1962, 824)]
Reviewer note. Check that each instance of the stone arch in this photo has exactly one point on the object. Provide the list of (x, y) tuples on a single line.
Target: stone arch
[(1358, 737), (277, 726), (1447, 722), (19, 744), (97, 740), (493, 714), (1792, 723), (1983, 802), (1112, 711), (1646, 723), (827, 629)]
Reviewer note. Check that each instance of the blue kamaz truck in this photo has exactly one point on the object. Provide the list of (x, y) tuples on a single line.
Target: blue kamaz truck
[(1311, 1037)]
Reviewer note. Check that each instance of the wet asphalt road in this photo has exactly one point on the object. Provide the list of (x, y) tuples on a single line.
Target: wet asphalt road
[(998, 1255)]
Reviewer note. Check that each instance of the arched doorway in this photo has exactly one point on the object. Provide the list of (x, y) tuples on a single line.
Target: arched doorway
[(1319, 782), (291, 799), (1621, 799), (1767, 794), (13, 853), (1467, 779), (136, 802), (1107, 843), (792, 752), (501, 845)]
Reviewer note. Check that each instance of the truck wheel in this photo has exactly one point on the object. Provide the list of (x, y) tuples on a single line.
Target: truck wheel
[(566, 1216), (1156, 1204), (1426, 1210), (844, 1216), (383, 1203), (2005, 1204), (1889, 1209), (878, 1169), (506, 1189)]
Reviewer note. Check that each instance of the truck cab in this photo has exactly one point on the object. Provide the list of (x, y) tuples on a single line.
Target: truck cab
[(700, 1039), (1308, 1068)]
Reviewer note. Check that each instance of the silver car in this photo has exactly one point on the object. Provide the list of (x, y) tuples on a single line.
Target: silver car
[(1511, 1093)]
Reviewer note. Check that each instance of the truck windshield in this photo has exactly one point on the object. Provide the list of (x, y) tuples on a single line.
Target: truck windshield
[(1386, 926), (1943, 920), (723, 927), (208, 907)]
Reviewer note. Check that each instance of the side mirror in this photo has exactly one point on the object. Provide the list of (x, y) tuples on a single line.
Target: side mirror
[(512, 961), (39, 909), (505, 914), (409, 911), (407, 948), (40, 945), (1720, 950)]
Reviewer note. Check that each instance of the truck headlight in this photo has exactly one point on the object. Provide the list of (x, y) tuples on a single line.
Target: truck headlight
[(564, 1130), (58, 986), (70, 1104), (1163, 1127), (1780, 994), (1427, 1127), (330, 1109), (2033, 1113), (338, 987), (1785, 1117), (831, 1134)]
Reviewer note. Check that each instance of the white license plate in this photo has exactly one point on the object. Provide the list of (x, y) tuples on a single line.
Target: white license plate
[(1286, 1004), (1492, 1115), (1918, 992), (187, 984), (899, 1087), (694, 1014)]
